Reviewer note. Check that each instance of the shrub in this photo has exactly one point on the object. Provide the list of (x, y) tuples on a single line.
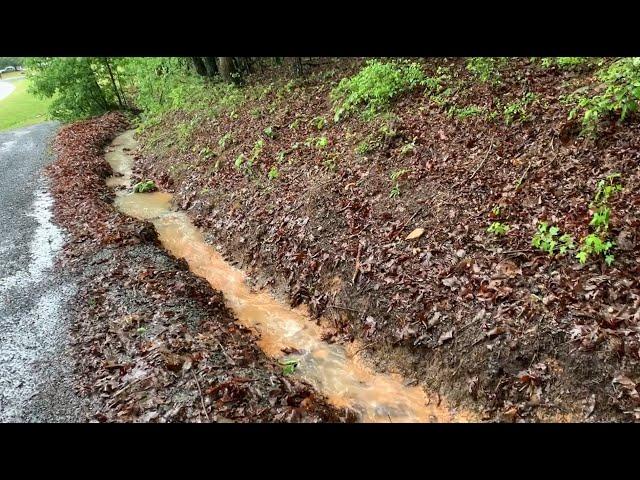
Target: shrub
[(498, 228), (621, 85), (485, 69), (145, 187), (548, 238), (375, 86)]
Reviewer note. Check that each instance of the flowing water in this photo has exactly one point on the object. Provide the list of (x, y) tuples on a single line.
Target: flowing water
[(331, 368)]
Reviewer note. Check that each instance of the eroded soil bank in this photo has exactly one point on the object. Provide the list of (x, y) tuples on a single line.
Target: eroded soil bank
[(152, 341), (491, 323)]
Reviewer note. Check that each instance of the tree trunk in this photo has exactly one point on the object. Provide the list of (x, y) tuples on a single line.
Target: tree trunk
[(210, 65), (227, 69), (297, 66), (199, 65), (113, 82)]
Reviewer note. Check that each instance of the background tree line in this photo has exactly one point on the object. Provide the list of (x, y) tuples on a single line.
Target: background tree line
[(82, 87), (11, 61)]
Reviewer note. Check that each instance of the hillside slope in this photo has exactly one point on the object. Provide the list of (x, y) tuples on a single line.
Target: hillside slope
[(320, 211)]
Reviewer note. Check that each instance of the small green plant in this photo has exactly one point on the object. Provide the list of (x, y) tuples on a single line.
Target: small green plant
[(518, 110), (273, 173), (568, 63), (597, 241), (269, 132), (547, 239), (295, 124), (145, 187), (375, 86), (593, 243), (438, 87), (395, 178), (605, 189), (365, 146), (319, 123), (246, 164), (322, 142), (498, 228), (206, 153), (496, 210), (485, 69), (464, 112), (289, 366), (225, 140), (408, 148)]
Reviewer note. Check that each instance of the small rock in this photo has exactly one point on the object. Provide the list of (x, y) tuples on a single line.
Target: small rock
[(417, 233), (460, 253)]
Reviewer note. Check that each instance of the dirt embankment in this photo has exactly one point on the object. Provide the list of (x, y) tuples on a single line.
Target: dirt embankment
[(152, 341), (488, 320)]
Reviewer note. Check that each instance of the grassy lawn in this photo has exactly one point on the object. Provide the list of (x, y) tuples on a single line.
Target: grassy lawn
[(8, 75), (21, 109)]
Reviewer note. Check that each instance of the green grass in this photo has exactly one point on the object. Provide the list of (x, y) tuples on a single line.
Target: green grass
[(21, 109), (8, 75)]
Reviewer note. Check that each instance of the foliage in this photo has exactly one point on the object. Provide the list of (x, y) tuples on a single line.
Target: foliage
[(322, 142), (518, 110), (619, 98), (225, 140), (11, 61), (547, 239), (568, 63), (395, 178), (273, 173), (269, 132), (498, 228), (246, 164), (438, 87), (485, 69), (79, 87), (145, 186), (375, 86), (464, 112), (289, 366), (597, 241), (319, 122)]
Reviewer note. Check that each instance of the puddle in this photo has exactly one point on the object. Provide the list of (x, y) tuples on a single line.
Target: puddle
[(46, 243), (330, 368)]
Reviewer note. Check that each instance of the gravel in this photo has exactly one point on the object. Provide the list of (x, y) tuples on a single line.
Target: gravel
[(35, 363)]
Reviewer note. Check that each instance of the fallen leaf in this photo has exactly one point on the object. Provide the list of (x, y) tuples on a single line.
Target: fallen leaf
[(446, 336), (417, 233)]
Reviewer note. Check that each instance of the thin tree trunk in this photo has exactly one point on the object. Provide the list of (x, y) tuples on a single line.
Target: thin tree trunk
[(113, 82), (227, 69), (200, 67), (100, 94), (210, 65)]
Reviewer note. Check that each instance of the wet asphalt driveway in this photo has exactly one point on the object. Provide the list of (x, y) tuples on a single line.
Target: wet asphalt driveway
[(35, 366)]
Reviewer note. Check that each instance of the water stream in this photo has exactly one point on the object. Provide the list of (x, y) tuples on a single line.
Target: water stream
[(332, 369)]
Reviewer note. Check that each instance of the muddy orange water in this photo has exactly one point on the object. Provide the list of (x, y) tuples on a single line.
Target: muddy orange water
[(330, 368)]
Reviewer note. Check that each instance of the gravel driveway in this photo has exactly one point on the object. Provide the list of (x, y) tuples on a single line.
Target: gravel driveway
[(35, 368)]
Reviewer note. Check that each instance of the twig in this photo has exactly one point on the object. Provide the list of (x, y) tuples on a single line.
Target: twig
[(339, 307), (363, 348), (115, 400), (477, 168), (231, 360), (357, 268), (201, 397), (481, 163)]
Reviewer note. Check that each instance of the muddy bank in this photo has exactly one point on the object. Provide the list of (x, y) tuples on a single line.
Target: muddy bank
[(153, 342), (490, 322)]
